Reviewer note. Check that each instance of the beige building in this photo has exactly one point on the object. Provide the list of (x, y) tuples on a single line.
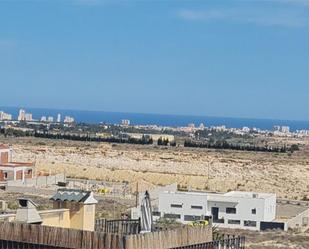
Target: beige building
[(72, 209)]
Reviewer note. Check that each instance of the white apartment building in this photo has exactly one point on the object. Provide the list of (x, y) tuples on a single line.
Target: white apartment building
[(59, 118), (68, 119), (23, 116), (243, 210), (5, 116), (50, 119)]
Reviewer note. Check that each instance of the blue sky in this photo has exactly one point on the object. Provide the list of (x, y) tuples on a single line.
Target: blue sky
[(214, 58)]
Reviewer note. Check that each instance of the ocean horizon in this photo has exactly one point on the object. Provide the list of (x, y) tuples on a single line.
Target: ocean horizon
[(96, 117)]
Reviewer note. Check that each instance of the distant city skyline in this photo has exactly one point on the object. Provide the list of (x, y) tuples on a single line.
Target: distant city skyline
[(242, 59)]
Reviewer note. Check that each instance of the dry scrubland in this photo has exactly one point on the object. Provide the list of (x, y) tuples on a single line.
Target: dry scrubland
[(287, 175), (273, 239)]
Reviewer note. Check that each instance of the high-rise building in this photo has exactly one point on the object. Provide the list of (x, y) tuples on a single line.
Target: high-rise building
[(28, 117), (22, 115), (5, 116), (285, 129), (50, 119), (125, 122), (59, 118), (68, 119)]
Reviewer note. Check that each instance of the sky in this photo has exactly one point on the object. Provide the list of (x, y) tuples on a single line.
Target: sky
[(214, 57)]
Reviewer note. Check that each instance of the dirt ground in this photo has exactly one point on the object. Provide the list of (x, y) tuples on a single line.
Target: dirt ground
[(287, 175), (272, 239)]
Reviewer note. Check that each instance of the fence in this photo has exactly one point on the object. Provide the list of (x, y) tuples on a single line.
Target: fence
[(6, 244), (227, 242), (43, 237), (39, 181), (125, 227)]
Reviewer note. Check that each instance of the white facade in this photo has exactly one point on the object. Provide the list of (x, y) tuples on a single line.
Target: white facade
[(68, 119), (5, 116), (50, 119), (244, 210)]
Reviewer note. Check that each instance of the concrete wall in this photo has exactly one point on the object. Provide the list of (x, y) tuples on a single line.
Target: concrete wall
[(300, 222), (56, 218), (39, 181)]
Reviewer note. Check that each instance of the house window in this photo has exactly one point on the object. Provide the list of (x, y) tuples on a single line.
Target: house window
[(253, 211), (5, 175), (172, 216), (156, 213), (176, 205), (234, 222), (192, 217), (230, 210), (250, 223), (196, 207)]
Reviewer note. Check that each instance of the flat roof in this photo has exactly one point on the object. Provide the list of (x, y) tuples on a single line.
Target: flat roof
[(227, 196), (249, 194), (17, 164)]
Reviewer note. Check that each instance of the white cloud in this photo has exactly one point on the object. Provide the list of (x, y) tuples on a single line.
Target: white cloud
[(287, 18)]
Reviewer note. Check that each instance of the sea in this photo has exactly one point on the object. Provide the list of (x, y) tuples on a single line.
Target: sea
[(96, 117)]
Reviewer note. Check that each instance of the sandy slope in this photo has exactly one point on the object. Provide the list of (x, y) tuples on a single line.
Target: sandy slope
[(288, 176)]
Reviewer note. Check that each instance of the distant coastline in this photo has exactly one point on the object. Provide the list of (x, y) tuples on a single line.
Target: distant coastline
[(95, 117)]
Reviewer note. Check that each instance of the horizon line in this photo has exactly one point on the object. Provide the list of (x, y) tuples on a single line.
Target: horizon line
[(151, 113)]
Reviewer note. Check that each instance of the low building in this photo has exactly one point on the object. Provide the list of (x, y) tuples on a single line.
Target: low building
[(244, 210), (81, 205), (73, 209), (10, 170)]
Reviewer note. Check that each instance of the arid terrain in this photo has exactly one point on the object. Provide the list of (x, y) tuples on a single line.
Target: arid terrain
[(285, 174)]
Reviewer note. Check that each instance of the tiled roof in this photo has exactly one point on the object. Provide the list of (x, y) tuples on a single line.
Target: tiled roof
[(71, 195)]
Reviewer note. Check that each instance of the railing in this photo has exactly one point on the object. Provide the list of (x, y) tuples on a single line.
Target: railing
[(227, 242), (126, 227), (8, 244)]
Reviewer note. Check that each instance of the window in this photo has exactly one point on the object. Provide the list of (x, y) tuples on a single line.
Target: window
[(221, 221), (253, 211), (234, 222), (156, 213), (191, 217), (176, 205), (250, 223), (5, 176), (196, 207), (172, 216), (230, 210)]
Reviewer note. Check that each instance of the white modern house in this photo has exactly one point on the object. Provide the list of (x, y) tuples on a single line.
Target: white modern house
[(235, 209)]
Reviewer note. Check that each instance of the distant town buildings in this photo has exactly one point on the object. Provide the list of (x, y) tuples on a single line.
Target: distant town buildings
[(125, 122), (283, 129), (68, 120), (43, 119), (59, 118), (24, 116), (5, 116), (50, 119)]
